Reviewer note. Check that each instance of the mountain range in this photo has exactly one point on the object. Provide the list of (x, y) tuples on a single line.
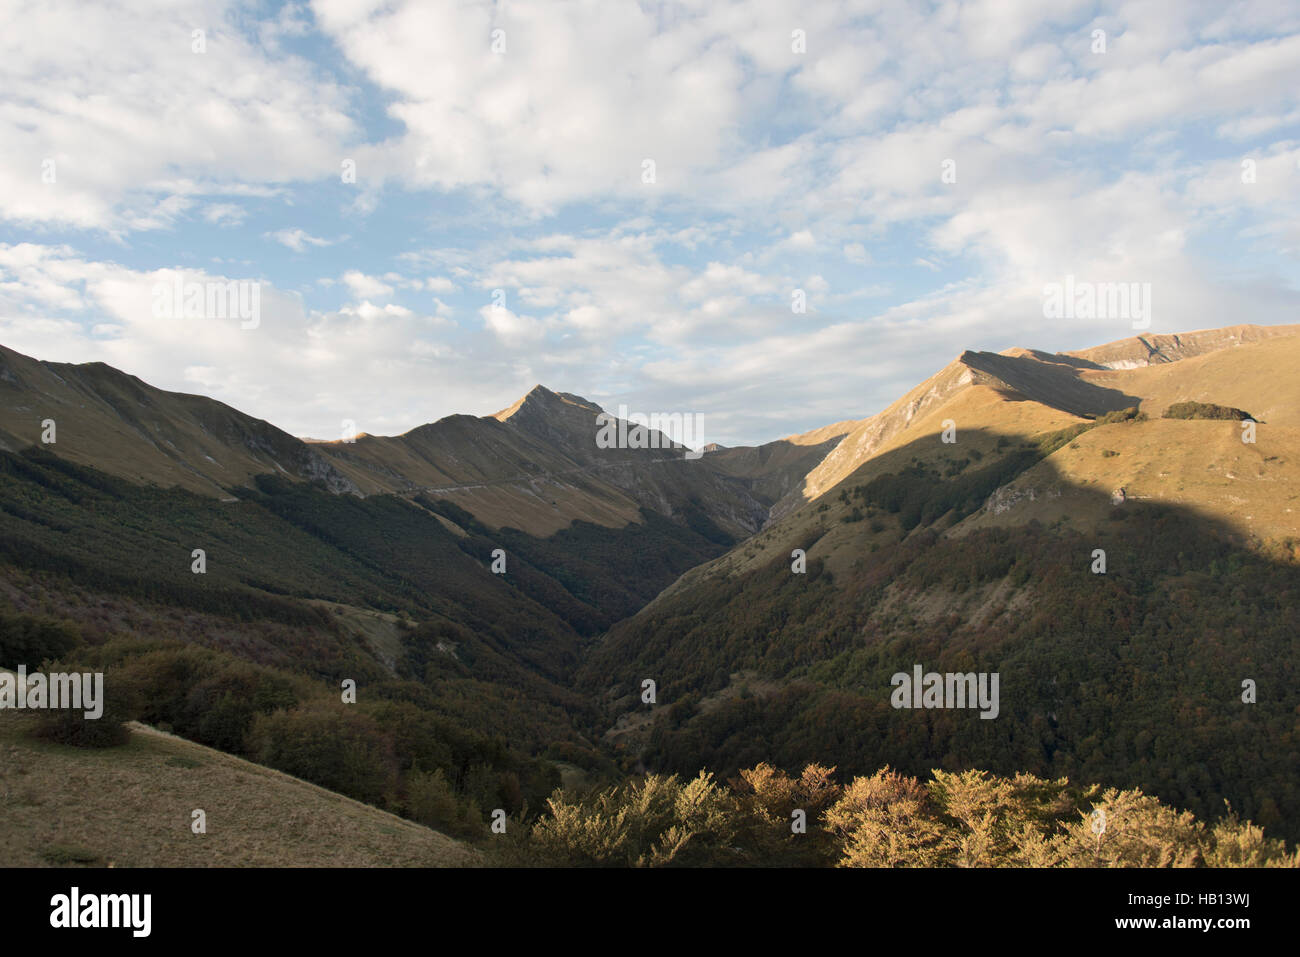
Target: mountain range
[(509, 586)]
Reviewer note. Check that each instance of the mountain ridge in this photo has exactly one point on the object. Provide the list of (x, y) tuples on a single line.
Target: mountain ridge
[(535, 463)]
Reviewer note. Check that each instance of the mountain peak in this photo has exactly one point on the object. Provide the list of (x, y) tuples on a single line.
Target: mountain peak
[(538, 394), (541, 400)]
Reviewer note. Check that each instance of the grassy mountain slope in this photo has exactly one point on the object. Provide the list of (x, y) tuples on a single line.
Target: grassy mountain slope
[(131, 807), (1199, 465), (1141, 351), (123, 426), (535, 466)]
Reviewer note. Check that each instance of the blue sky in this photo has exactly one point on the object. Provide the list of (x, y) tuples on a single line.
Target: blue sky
[(796, 146)]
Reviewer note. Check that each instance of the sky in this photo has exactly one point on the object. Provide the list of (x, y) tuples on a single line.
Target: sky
[(770, 215)]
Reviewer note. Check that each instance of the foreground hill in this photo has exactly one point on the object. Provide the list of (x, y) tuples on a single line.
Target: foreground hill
[(131, 807)]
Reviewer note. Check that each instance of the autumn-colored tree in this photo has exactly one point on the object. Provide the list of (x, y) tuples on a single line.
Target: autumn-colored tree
[(651, 822), (1001, 822), (782, 814), (888, 820)]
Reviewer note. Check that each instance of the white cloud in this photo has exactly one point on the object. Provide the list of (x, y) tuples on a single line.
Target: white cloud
[(363, 286), (298, 239), (116, 98), (369, 311), (512, 329), (857, 253), (224, 214), (774, 170)]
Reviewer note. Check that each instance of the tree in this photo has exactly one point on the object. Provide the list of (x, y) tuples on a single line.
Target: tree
[(328, 745), (887, 820)]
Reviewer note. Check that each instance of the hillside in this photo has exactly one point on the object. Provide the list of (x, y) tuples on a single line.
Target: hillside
[(116, 423), (1023, 395), (977, 555), (131, 807), (536, 466)]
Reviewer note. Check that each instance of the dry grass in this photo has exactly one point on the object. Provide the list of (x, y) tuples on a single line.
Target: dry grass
[(131, 807), (378, 629), (1201, 466)]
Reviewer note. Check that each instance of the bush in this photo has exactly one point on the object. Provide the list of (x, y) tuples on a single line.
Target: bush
[(1204, 410), (887, 820), (71, 726), (654, 822), (206, 696), (1131, 414), (769, 798), (432, 801), (29, 640)]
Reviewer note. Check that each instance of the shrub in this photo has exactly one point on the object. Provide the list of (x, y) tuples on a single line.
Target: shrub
[(71, 726), (1130, 414), (768, 799), (30, 640), (432, 801), (653, 822), (887, 820), (1204, 410)]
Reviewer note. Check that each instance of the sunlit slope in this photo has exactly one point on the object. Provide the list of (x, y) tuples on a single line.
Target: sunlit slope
[(775, 469), (1141, 351), (1202, 465), (537, 466), (1017, 377), (996, 403)]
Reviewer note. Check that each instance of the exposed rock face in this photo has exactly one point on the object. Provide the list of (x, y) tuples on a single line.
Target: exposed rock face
[(1009, 496), (1158, 349)]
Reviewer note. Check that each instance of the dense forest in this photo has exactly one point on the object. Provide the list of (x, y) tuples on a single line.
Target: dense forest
[(276, 553), (400, 746)]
